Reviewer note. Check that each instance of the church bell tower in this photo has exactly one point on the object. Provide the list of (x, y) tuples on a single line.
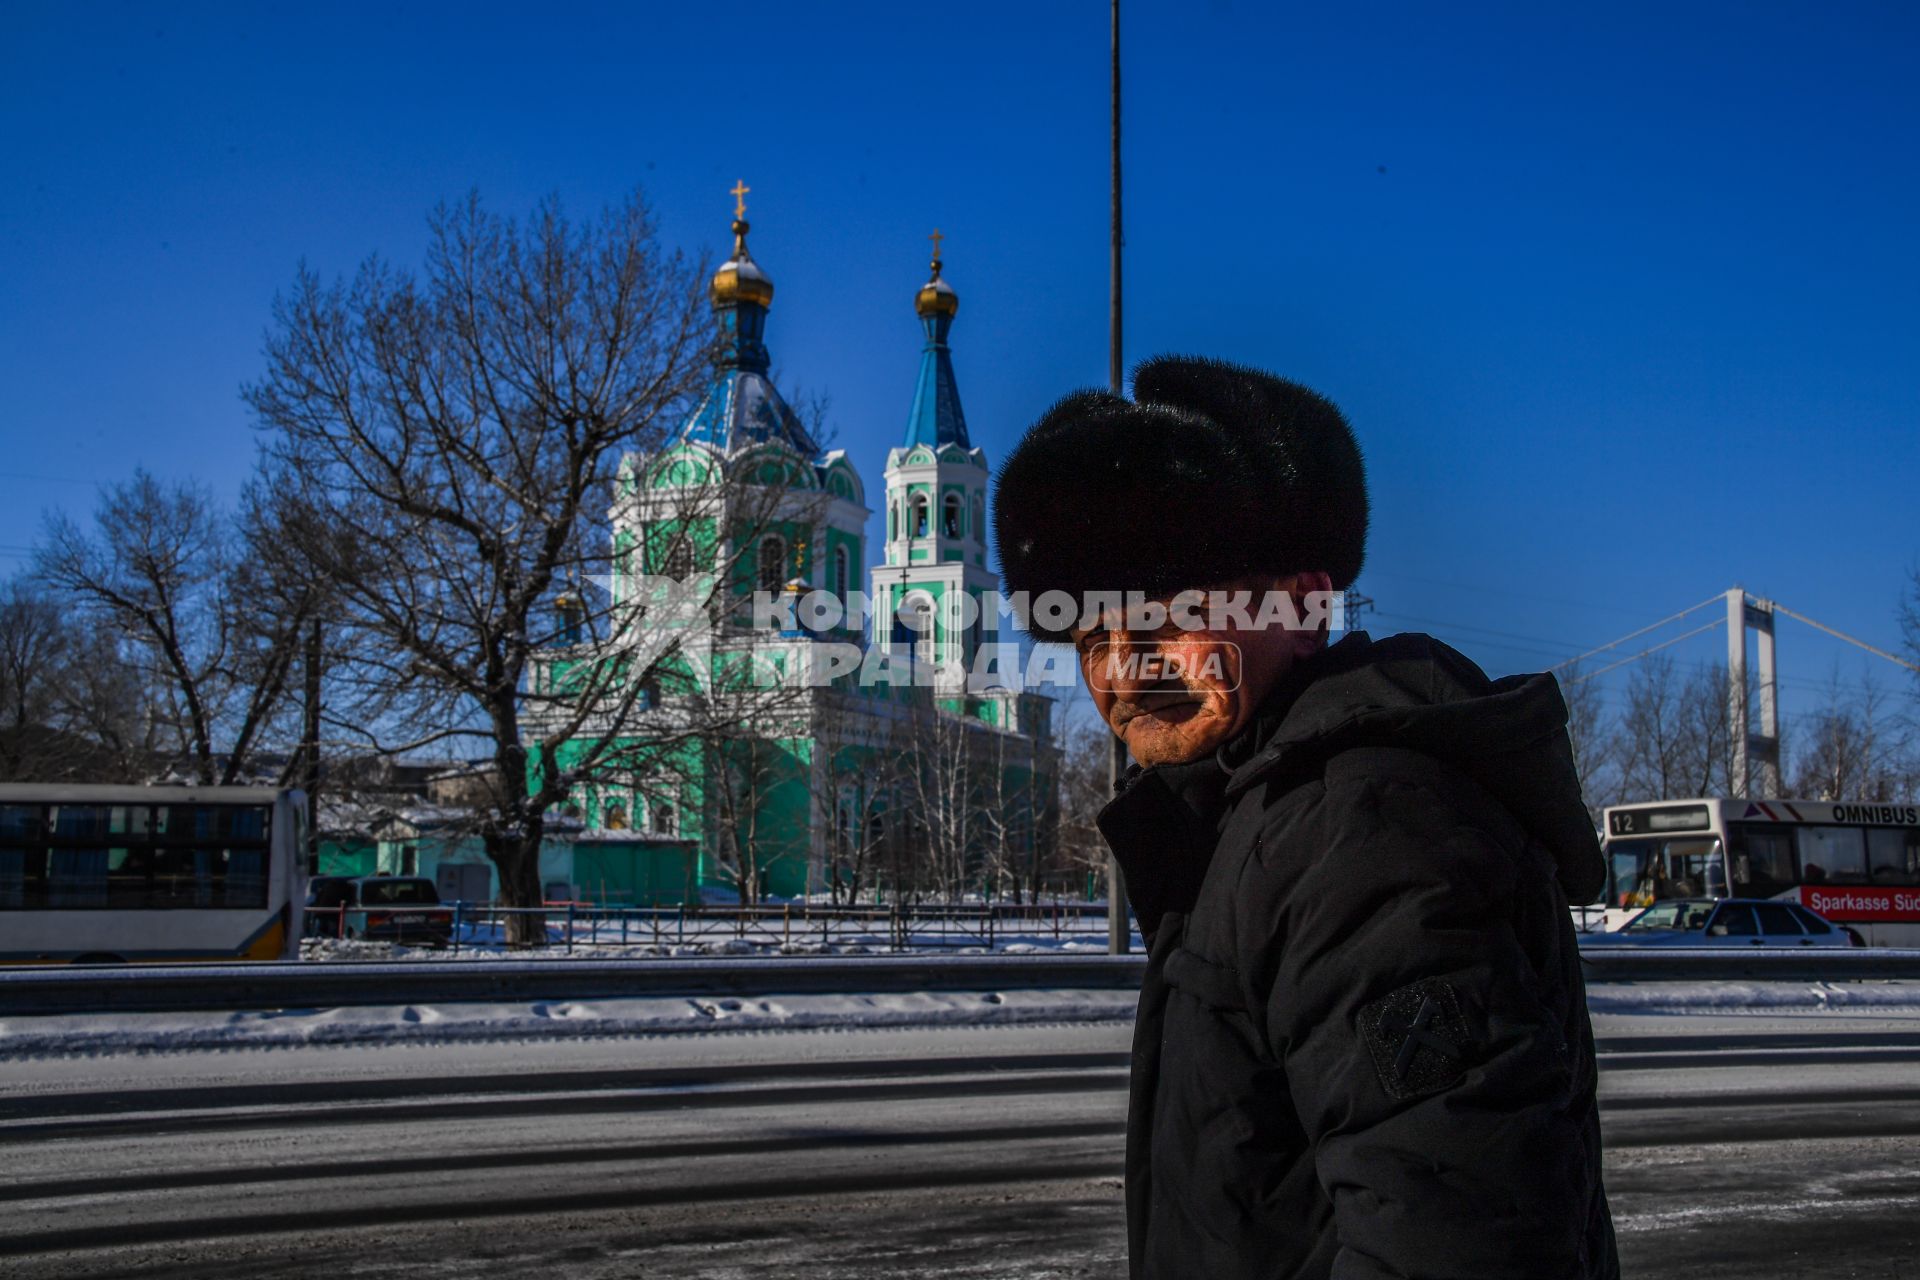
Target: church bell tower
[(935, 542)]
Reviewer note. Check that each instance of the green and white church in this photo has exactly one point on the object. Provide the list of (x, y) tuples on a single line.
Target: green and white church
[(902, 770)]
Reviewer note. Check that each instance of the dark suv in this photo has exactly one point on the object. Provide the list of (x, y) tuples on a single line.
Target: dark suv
[(403, 909)]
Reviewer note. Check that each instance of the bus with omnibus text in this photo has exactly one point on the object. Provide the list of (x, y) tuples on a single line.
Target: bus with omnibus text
[(1856, 863), (93, 874)]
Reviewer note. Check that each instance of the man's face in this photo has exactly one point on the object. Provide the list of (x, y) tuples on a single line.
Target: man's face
[(1174, 694)]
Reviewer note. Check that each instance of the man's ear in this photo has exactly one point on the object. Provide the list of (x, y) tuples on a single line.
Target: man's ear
[(1309, 640)]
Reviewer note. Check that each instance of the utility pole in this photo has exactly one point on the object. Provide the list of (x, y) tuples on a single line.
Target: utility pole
[(310, 746), (1119, 928)]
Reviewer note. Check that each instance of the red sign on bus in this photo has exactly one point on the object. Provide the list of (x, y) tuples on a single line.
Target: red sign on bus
[(1858, 904)]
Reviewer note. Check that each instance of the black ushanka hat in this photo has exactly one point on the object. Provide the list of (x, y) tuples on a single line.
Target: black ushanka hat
[(1212, 472)]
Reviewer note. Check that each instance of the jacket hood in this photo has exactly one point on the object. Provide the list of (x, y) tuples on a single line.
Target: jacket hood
[(1509, 735)]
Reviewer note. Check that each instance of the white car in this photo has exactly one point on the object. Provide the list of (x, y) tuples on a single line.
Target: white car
[(1725, 922)]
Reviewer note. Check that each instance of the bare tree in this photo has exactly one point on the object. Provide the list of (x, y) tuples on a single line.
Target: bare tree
[(1013, 813), (1675, 737), (847, 774), (161, 572), (743, 770), (458, 432), (1595, 740), (1084, 791), (35, 649), (942, 795), (1856, 747)]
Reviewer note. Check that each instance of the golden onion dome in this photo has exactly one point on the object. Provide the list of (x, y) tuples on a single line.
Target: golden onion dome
[(936, 296), (740, 278)]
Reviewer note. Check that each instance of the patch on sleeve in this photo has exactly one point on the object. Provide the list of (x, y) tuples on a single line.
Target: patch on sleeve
[(1419, 1041)]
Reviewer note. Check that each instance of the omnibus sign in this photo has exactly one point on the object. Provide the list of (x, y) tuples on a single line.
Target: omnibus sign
[(1856, 863)]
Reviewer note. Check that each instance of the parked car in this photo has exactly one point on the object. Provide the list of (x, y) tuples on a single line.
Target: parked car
[(1725, 922), (405, 909)]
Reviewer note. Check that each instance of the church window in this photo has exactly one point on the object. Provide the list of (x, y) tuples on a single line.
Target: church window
[(893, 521), (840, 573), (661, 814), (919, 517), (950, 517), (917, 615), (979, 518), (677, 557), (773, 562), (616, 817)]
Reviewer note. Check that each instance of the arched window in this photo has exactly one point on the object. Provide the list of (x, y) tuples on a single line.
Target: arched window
[(773, 562), (919, 516), (979, 518), (950, 516), (616, 817), (841, 574), (893, 521), (662, 815), (917, 617), (678, 563)]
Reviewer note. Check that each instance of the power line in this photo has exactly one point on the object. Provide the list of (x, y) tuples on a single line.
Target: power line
[(1841, 635), (1614, 644), (1467, 626), (1685, 635), (1482, 589)]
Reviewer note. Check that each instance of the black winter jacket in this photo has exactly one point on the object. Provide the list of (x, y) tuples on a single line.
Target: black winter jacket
[(1362, 1047)]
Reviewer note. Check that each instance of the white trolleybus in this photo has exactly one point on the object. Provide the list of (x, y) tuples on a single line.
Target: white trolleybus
[(1856, 864), (122, 874)]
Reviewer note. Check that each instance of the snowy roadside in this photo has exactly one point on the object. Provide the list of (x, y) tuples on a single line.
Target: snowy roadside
[(650, 1015), (670, 1015), (1733, 996), (346, 949)]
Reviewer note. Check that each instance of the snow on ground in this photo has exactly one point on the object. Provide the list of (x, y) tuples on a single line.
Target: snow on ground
[(713, 944), (1752, 997), (162, 1032), (657, 1015)]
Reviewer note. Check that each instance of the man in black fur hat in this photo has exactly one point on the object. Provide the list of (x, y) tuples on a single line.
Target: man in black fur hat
[(1362, 1047)]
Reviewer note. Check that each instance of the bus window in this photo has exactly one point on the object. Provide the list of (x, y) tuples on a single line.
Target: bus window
[(23, 860), (1628, 865), (1693, 867), (77, 878), (1648, 871), (129, 875), (1893, 855), (1763, 861), (1832, 855)]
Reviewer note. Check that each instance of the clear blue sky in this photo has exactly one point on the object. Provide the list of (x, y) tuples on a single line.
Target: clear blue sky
[(1624, 300)]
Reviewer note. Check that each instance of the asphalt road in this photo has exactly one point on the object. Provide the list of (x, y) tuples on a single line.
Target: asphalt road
[(1737, 1146)]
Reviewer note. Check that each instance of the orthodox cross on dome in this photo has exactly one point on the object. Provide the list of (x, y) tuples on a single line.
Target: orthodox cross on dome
[(936, 237), (739, 194)]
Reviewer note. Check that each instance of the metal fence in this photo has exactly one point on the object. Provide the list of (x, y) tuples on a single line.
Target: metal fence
[(802, 925)]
